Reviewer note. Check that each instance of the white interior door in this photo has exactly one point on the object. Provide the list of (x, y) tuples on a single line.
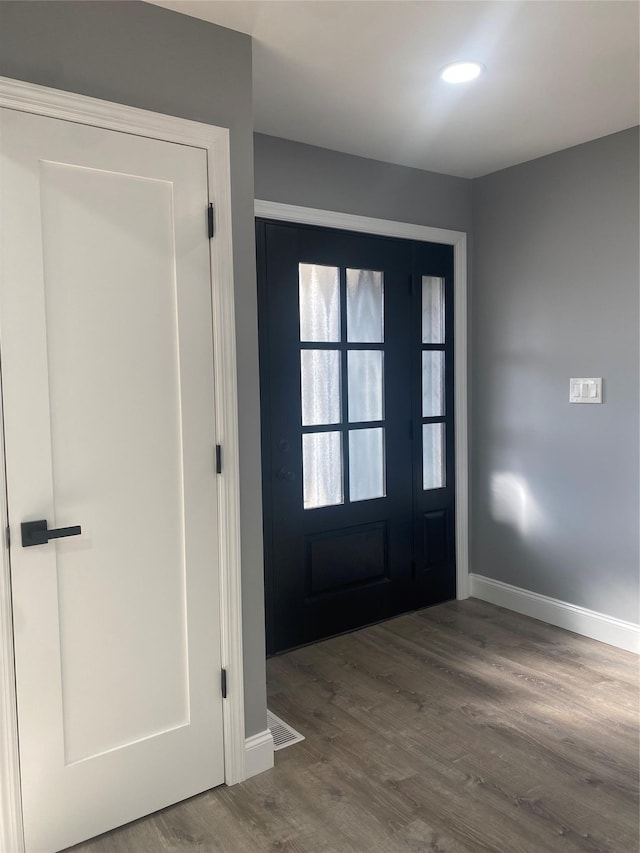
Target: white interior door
[(107, 372)]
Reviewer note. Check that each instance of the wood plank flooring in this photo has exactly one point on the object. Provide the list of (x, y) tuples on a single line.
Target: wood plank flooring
[(463, 727)]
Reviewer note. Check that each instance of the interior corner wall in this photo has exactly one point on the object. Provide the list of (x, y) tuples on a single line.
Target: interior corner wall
[(555, 505), (144, 56)]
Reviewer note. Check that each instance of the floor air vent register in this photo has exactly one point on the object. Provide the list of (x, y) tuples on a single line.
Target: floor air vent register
[(283, 734)]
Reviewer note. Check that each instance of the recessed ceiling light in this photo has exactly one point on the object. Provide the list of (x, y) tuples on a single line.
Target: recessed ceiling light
[(461, 72)]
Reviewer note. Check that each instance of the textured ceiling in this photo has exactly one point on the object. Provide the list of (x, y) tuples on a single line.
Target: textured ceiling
[(362, 77)]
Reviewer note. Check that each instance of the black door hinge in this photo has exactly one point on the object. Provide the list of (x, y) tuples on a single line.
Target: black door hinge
[(8, 536), (210, 219), (223, 683), (218, 459)]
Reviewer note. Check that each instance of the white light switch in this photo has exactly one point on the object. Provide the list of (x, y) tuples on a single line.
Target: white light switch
[(585, 390)]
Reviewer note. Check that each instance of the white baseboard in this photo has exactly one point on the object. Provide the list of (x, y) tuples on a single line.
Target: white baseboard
[(258, 753), (589, 623)]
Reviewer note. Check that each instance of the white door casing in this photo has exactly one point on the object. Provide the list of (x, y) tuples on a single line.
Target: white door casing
[(66, 190)]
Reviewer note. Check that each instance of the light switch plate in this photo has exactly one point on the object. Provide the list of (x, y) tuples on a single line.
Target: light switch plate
[(585, 390)]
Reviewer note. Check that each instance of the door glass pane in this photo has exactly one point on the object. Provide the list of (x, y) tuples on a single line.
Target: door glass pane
[(432, 310), (432, 384), (320, 385), (319, 293), (322, 469), (433, 456), (366, 464), (365, 313), (364, 369)]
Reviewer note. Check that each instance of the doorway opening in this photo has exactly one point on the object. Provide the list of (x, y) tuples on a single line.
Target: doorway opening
[(357, 385)]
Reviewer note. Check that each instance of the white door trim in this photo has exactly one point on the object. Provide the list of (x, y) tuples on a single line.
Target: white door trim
[(457, 239), (11, 837), (67, 106)]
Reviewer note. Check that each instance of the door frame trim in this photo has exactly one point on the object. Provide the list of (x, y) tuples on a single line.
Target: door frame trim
[(422, 233), (41, 100)]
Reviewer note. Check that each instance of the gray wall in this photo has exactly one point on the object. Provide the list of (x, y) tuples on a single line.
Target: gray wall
[(555, 486), (553, 295), (294, 173), (144, 56)]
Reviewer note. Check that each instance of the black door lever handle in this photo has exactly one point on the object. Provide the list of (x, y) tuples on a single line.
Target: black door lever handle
[(37, 533)]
